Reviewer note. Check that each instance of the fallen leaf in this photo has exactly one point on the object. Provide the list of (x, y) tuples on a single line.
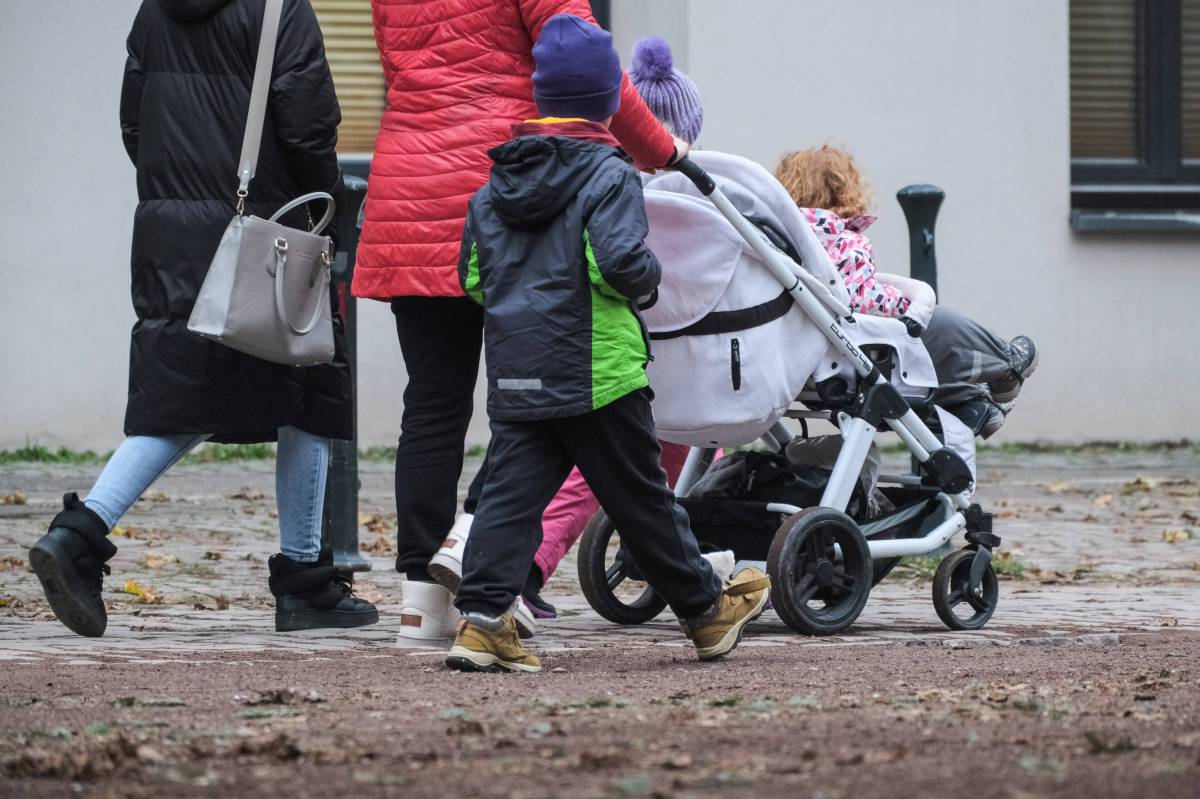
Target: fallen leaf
[(1059, 486), (15, 498), (1103, 501), (154, 495), (1167, 621), (1175, 536), (212, 554), (247, 494), (1138, 485), (143, 595), (154, 560), (16, 564)]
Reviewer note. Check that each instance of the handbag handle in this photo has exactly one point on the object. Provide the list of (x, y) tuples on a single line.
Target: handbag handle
[(281, 249), (330, 207), (259, 91)]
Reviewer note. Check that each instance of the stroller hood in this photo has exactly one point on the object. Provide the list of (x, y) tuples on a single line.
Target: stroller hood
[(534, 178)]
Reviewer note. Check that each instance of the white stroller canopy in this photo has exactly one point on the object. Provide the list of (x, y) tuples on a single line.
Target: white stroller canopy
[(732, 350)]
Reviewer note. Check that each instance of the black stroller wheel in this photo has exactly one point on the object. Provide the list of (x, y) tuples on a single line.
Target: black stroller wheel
[(814, 591), (951, 595), (609, 578)]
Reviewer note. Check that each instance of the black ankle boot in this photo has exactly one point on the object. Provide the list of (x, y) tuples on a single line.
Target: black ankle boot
[(70, 561), (310, 596)]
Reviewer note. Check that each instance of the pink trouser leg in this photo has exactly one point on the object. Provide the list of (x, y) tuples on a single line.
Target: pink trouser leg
[(573, 506)]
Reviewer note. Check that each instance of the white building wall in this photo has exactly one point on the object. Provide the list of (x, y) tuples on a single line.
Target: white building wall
[(970, 96), (973, 97)]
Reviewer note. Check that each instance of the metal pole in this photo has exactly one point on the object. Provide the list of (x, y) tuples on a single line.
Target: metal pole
[(340, 525), (921, 203)]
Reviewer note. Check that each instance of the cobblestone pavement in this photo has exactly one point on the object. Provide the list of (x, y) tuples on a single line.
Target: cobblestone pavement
[(1109, 542)]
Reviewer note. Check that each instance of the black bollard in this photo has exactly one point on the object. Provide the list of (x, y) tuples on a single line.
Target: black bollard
[(921, 203), (340, 525)]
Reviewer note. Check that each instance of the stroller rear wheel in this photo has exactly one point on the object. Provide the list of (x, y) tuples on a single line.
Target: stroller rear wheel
[(815, 590), (952, 595), (610, 579)]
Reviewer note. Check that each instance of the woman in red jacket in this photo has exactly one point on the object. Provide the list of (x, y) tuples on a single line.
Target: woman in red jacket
[(458, 77)]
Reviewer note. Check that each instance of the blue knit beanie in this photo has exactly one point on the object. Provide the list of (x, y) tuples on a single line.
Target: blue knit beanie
[(578, 72), (669, 94)]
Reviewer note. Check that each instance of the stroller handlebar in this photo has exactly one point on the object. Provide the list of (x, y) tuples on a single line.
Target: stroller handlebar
[(696, 174)]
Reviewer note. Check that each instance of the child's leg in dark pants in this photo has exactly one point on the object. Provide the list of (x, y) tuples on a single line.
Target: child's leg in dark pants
[(528, 464), (617, 452)]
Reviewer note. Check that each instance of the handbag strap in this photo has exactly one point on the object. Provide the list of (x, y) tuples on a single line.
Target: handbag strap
[(259, 92), (330, 207), (281, 250)]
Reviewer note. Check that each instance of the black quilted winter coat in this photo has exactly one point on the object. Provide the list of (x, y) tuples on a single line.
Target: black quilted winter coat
[(183, 109)]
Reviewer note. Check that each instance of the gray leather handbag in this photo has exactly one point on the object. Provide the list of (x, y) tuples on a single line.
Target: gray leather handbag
[(267, 289)]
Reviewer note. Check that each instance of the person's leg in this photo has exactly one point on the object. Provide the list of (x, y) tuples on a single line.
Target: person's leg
[(133, 468), (440, 339), (563, 522), (529, 466), (301, 471), (964, 351), (70, 560), (309, 594), (616, 451)]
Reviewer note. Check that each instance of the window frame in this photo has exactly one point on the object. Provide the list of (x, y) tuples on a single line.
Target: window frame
[(1160, 179)]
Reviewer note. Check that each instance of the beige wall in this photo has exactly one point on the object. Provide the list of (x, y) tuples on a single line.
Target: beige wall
[(971, 96)]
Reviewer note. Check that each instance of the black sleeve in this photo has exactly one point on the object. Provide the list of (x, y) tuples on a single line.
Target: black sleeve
[(303, 104), (131, 91), (616, 230)]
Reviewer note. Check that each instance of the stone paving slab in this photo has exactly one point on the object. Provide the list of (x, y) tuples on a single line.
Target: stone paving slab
[(1109, 538)]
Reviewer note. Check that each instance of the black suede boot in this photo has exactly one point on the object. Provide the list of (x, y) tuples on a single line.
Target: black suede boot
[(70, 561), (309, 596)]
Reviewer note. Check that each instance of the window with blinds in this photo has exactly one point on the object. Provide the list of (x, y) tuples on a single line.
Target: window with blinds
[(1135, 112), (357, 75), (1105, 96), (1190, 43)]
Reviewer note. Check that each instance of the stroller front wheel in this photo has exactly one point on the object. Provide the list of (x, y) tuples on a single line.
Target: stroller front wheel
[(610, 579), (952, 594), (820, 568)]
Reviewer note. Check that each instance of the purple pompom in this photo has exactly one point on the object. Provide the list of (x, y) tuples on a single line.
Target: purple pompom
[(652, 58)]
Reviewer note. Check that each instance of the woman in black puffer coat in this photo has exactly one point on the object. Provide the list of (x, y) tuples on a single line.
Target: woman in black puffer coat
[(183, 111)]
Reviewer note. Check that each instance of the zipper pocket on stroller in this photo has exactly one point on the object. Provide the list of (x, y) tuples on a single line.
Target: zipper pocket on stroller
[(735, 364)]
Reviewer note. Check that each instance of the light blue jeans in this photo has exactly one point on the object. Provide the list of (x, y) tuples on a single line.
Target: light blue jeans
[(301, 468)]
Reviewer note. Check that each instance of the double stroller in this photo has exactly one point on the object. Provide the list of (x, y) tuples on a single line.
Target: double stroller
[(753, 335)]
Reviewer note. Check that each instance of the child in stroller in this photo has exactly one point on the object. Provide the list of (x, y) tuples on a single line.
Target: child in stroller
[(979, 374)]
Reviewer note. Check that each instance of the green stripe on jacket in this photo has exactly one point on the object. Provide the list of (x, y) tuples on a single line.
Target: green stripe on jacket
[(471, 284), (618, 349)]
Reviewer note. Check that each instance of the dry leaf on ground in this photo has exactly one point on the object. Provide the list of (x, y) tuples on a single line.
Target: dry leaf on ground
[(247, 493), (154, 560), (1175, 535), (1138, 485), (1103, 501), (15, 498), (15, 564), (213, 554), (154, 495), (143, 595)]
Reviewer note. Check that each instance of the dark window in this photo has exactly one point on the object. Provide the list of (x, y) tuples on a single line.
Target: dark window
[(1135, 113)]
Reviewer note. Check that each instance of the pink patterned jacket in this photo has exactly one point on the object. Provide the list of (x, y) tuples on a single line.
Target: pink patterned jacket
[(851, 252)]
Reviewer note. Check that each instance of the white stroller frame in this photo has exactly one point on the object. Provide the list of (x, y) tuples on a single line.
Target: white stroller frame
[(879, 402)]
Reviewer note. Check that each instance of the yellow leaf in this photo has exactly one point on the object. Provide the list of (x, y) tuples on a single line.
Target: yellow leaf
[(144, 595), (3, 603), (1175, 535), (1103, 501), (15, 498), (153, 560), (120, 532)]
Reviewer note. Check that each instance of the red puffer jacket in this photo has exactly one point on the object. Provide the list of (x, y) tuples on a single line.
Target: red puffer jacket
[(458, 77)]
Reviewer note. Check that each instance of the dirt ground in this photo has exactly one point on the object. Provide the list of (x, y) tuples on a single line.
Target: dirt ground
[(1089, 717), (1085, 684)]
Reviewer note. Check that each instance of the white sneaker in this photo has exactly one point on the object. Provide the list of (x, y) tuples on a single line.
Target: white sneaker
[(446, 568), (446, 565), (722, 563), (523, 616), (426, 612)]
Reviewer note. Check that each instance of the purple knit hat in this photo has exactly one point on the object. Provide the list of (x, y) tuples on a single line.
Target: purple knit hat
[(578, 73), (670, 95)]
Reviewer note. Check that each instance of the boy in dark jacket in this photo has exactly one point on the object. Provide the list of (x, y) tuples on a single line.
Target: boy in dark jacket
[(553, 249)]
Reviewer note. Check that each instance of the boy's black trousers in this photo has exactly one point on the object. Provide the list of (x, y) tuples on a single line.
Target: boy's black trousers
[(617, 453)]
